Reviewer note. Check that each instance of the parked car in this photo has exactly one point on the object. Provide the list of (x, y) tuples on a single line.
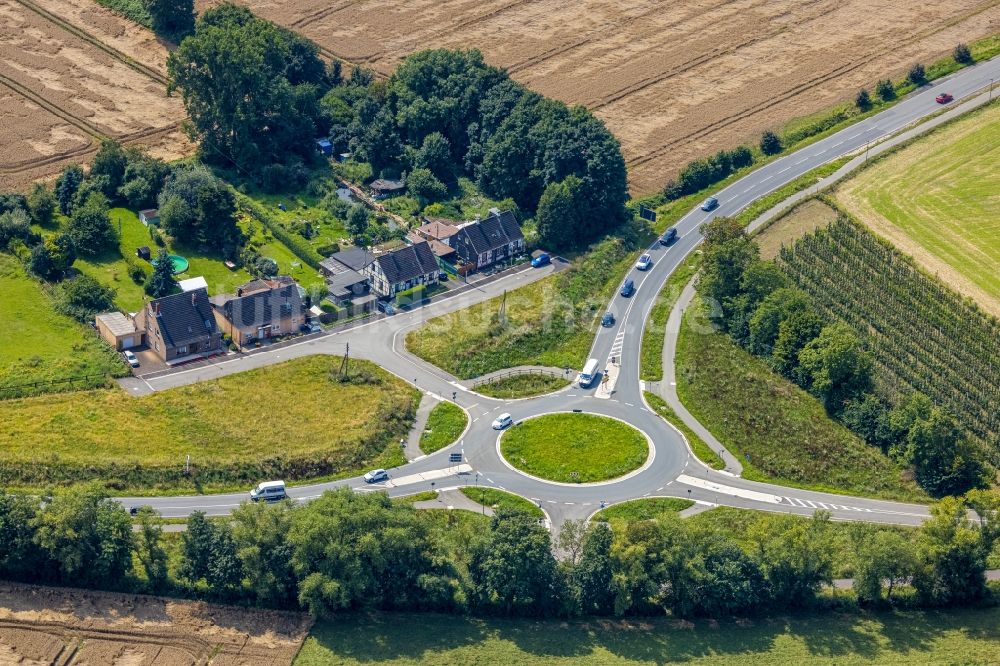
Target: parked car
[(315, 328), (502, 421), (710, 203), (376, 475), (386, 307), (628, 288), (645, 263), (669, 237), (269, 491), (541, 260), (944, 98), (131, 358), (608, 320)]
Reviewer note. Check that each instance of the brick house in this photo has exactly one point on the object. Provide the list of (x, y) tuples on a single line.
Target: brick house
[(260, 310), (180, 326)]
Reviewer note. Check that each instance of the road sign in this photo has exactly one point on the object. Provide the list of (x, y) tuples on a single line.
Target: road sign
[(455, 457), (647, 213)]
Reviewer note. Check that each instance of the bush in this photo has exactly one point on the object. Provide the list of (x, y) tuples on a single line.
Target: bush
[(917, 75), (770, 144), (863, 101), (83, 297), (411, 295), (135, 272), (327, 250), (963, 55), (885, 90)]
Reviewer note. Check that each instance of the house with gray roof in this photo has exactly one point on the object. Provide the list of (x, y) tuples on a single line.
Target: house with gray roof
[(403, 268), (485, 242), (261, 310), (180, 326)]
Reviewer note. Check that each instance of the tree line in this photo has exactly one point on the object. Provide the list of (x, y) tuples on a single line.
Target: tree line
[(759, 306), (347, 551)]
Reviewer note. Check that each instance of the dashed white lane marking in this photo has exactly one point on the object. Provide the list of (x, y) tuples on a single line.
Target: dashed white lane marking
[(629, 404), (476, 419), (785, 169)]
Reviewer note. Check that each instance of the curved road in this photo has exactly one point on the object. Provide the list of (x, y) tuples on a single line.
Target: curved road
[(673, 471)]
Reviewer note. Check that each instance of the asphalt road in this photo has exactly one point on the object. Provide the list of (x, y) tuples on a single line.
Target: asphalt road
[(671, 470)]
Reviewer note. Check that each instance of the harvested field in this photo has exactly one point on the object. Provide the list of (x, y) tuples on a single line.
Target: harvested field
[(72, 73), (673, 80), (50, 625), (805, 218)]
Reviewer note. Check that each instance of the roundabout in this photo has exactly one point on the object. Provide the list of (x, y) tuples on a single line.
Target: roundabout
[(574, 448)]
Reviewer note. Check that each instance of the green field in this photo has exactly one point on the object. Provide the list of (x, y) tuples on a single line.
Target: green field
[(444, 425), (700, 448), (642, 509), (236, 430), (936, 199), (844, 639), (498, 499), (574, 448), (778, 431), (38, 343), (522, 386)]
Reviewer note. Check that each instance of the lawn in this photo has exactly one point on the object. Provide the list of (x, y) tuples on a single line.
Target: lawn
[(522, 386), (700, 448), (574, 448), (445, 424), (846, 639), (38, 343), (642, 509), (237, 430), (651, 356), (780, 433), (936, 199), (498, 499)]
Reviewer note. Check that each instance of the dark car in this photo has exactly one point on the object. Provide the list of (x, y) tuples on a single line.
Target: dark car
[(628, 288), (710, 203), (669, 237), (608, 320)]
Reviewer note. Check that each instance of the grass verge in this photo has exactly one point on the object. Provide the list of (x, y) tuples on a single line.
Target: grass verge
[(444, 425), (574, 448), (642, 509), (522, 386), (235, 429), (651, 355), (498, 499), (781, 433), (700, 448), (847, 639)]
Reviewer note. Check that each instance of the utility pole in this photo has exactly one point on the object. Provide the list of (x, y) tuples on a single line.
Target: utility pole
[(344, 361)]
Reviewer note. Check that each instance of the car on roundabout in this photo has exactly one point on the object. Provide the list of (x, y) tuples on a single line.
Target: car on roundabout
[(376, 475), (502, 421)]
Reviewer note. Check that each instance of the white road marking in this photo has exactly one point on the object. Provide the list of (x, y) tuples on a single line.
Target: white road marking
[(729, 490), (427, 476), (629, 404)]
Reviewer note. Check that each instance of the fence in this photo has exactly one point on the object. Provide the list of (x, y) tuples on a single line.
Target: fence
[(565, 374), (48, 385)]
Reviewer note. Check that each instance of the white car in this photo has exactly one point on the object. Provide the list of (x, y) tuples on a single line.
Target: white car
[(645, 263), (131, 358), (502, 421), (376, 475)]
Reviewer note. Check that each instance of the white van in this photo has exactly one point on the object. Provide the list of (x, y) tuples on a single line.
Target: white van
[(589, 374), (269, 491)]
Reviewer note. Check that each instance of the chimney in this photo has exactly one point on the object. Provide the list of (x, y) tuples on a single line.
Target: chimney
[(239, 292), (157, 309)]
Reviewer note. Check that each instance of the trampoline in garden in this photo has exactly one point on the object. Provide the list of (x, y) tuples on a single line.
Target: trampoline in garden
[(180, 263)]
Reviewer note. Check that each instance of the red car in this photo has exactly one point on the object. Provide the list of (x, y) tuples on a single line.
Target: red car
[(943, 98)]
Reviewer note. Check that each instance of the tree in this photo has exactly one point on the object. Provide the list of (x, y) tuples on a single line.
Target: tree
[(883, 557), (834, 367), (90, 226), (208, 553), (917, 75), (173, 19), (198, 208), (263, 267), (593, 574), (422, 184), (20, 557), (15, 225), (196, 547), (963, 55), (570, 539), (261, 534), (885, 90), (13, 201), (514, 572), (944, 460), (797, 560), (729, 252), (952, 554), (559, 213), (729, 581), (770, 143), (357, 220), (435, 155), (143, 178), (41, 204), (149, 546), (863, 101), (87, 535), (161, 281), (83, 297), (109, 163), (67, 184), (868, 416), (767, 319), (794, 332)]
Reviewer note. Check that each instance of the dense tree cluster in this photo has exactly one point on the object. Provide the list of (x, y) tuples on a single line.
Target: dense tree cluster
[(363, 551), (174, 19), (755, 302), (199, 209), (699, 174)]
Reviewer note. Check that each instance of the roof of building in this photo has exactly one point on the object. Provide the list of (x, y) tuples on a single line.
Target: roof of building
[(438, 228), (354, 259), (117, 323), (324, 143), (193, 283), (437, 247), (386, 184), (495, 231), (343, 281), (262, 302), (408, 262), (184, 317)]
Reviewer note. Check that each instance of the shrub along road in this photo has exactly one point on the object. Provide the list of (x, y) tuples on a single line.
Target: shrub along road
[(673, 471)]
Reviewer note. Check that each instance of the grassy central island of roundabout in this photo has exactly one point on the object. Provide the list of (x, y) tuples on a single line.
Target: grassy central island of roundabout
[(574, 448)]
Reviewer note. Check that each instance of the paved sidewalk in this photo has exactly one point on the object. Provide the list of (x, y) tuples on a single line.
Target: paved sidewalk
[(524, 369), (412, 450), (695, 510), (453, 499)]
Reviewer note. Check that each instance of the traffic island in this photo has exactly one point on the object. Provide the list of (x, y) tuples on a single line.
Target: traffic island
[(574, 448)]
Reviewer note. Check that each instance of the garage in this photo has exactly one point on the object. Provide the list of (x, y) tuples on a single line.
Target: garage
[(118, 330)]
